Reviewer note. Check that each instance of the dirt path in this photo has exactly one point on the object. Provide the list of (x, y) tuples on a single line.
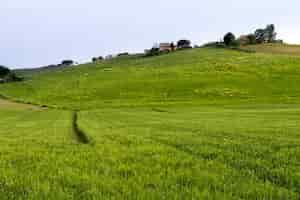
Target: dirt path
[(7, 104)]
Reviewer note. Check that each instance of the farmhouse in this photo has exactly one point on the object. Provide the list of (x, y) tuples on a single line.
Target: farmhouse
[(166, 47), (244, 40)]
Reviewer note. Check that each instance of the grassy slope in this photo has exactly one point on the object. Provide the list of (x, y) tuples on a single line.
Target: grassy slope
[(168, 143), (235, 153), (186, 153), (202, 76), (279, 49)]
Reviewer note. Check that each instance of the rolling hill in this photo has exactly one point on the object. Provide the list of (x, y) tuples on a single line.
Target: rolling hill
[(200, 76), (197, 124), (279, 49)]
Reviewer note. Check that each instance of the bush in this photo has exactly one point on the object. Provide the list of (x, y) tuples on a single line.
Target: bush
[(153, 52), (220, 45), (8, 76), (235, 43), (12, 77), (211, 44)]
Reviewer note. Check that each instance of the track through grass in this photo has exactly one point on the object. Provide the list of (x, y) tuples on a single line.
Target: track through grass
[(81, 136), (6, 103), (198, 124)]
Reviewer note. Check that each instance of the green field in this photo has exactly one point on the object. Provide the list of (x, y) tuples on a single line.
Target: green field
[(279, 49), (196, 124)]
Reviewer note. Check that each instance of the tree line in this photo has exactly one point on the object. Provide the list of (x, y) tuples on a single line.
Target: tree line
[(259, 36), (6, 75)]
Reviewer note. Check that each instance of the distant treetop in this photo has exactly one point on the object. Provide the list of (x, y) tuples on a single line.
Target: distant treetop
[(229, 39), (67, 62), (4, 71), (182, 44)]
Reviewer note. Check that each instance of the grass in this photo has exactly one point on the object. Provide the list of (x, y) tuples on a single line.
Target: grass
[(196, 124), (197, 77), (4, 103), (279, 49)]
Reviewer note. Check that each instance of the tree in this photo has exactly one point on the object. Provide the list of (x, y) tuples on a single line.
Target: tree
[(4, 71), (184, 44), (259, 36), (229, 39), (270, 33), (266, 35), (8, 76), (97, 59)]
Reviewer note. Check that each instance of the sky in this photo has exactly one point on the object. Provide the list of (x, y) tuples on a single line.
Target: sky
[(36, 33)]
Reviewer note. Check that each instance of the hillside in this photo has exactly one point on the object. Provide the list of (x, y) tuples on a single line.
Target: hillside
[(196, 124), (277, 49), (200, 76)]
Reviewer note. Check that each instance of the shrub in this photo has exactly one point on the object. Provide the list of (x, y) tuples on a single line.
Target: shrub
[(210, 44), (220, 45), (153, 52), (235, 43), (12, 77), (8, 76)]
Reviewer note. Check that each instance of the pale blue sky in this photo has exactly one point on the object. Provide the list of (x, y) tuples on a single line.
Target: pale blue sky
[(41, 32)]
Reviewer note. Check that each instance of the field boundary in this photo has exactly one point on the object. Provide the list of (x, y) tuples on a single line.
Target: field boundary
[(22, 104), (42, 106)]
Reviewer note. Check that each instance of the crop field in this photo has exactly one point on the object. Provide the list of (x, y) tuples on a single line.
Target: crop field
[(195, 124)]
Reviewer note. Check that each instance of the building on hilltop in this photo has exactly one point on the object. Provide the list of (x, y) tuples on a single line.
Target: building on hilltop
[(166, 47), (244, 40)]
